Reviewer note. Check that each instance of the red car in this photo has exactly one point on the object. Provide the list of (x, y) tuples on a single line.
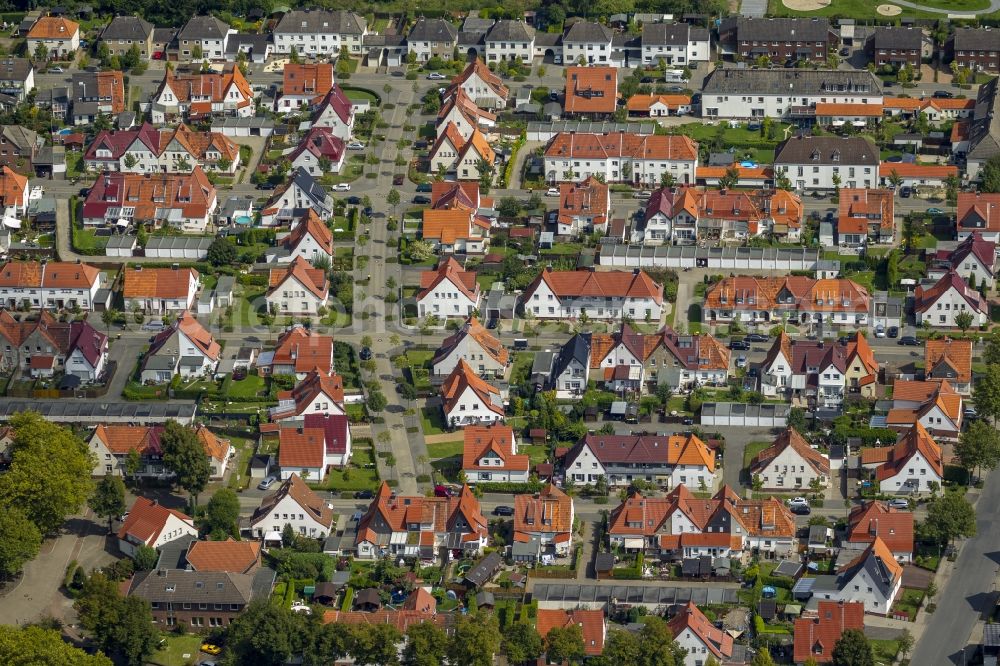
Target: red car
[(442, 491)]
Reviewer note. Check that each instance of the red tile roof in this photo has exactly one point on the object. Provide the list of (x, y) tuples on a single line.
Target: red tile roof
[(451, 271), (617, 144), (392, 513), (480, 69), (832, 110), (866, 207), (53, 27), (496, 439), (13, 188), (790, 438), (916, 440), (795, 292), (464, 377), (549, 511), (489, 344), (307, 79), (305, 350), (149, 194), (147, 518), (893, 526), (643, 450), (591, 623), (978, 211), (53, 274), (816, 637), (590, 198), (955, 353), (157, 283), (226, 556), (607, 284), (312, 279), (591, 90), (718, 642), (301, 447), (914, 170)]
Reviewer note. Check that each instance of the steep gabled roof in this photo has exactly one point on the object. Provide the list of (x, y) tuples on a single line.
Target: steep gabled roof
[(225, 556), (53, 27), (338, 101), (878, 519), (464, 377), (925, 298), (157, 283), (497, 439), (916, 440), (479, 69), (815, 637), (591, 623), (644, 450), (300, 493), (146, 520), (549, 511), (311, 225), (483, 338), (879, 562), (313, 279), (718, 642), (606, 284), (957, 354), (305, 392), (791, 439), (451, 271), (301, 448), (305, 350)]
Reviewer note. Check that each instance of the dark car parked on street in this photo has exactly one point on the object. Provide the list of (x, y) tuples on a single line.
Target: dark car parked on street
[(909, 341)]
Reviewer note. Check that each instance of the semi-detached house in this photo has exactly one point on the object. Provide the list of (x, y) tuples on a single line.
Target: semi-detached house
[(790, 94), (587, 43), (318, 393), (935, 405), (790, 464), (467, 399), (476, 346), (599, 295), (298, 289), (941, 304), (52, 285), (482, 86), (827, 163), (319, 32), (200, 94), (510, 40), (818, 371), (448, 291), (432, 37), (910, 466), (207, 34), (295, 504), (182, 201), (160, 290), (674, 44), (185, 349), (150, 150), (39, 347), (544, 520), (666, 460), (112, 444), (779, 39), (489, 455), (977, 49), (877, 519), (620, 158), (873, 578)]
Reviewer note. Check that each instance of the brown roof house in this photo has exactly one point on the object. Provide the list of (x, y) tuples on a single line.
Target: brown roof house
[(877, 519), (489, 454), (790, 464), (113, 443), (474, 344), (545, 519), (603, 295), (910, 466), (951, 360), (185, 348), (448, 291), (160, 290), (298, 289), (467, 399), (815, 637), (151, 524), (292, 504)]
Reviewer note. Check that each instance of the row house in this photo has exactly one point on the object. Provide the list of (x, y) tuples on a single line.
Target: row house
[(467, 399), (584, 207), (43, 346), (660, 525), (336, 112), (160, 291), (304, 84), (976, 49), (807, 369), (683, 215), (897, 47), (935, 405), (53, 285), (295, 504), (917, 175), (475, 345), (150, 150), (949, 360), (298, 351), (484, 88), (183, 201), (940, 305), (587, 43), (309, 448), (297, 289), (421, 527), (797, 299), (320, 32), (113, 444), (790, 464), (780, 39), (913, 465), (543, 523), (432, 38), (185, 349), (293, 199), (489, 455), (510, 40), (666, 460), (57, 37), (124, 32), (855, 115), (318, 393), (979, 137), (208, 35), (790, 94), (605, 295), (675, 44), (201, 94), (448, 291), (459, 109), (618, 157), (827, 163), (865, 216)]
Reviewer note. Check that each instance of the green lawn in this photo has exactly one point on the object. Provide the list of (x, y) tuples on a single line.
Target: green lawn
[(175, 647), (885, 651), (74, 163), (86, 241), (250, 387), (444, 449), (432, 420), (751, 451), (856, 9), (537, 453), (360, 95), (908, 602), (355, 477)]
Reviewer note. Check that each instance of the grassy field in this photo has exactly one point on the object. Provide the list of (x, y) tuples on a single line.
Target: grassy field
[(174, 648), (751, 451), (359, 95), (355, 477), (859, 9), (444, 449), (432, 420), (250, 387), (885, 651)]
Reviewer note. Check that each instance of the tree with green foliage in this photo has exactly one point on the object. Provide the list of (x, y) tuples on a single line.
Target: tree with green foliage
[(375, 644), (328, 643), (762, 658), (565, 644), (20, 541), (222, 514), (892, 268), (393, 199), (978, 447), (49, 476), (486, 171), (145, 558), (621, 647), (221, 252), (120, 626), (426, 645), (986, 392), (906, 640), (853, 649), (184, 455), (376, 401), (266, 634), (197, 53), (730, 179), (39, 646), (949, 517), (108, 500), (521, 643), (797, 419), (109, 317), (658, 646), (509, 207), (475, 642), (990, 175)]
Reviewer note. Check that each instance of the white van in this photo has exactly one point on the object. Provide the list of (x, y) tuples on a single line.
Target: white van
[(674, 76)]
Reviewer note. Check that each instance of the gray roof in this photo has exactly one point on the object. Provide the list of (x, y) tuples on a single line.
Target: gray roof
[(258, 43), (876, 569), (572, 593), (782, 29), (128, 27), (984, 129), (181, 586), (665, 34), (321, 21), (433, 30), (164, 35), (70, 411), (15, 69), (792, 81), (908, 39), (467, 39), (991, 635), (829, 150), (510, 31), (203, 27), (585, 31), (254, 121), (21, 137), (309, 185), (476, 24), (578, 348), (484, 570), (179, 243), (121, 241), (225, 284), (977, 39), (543, 39)]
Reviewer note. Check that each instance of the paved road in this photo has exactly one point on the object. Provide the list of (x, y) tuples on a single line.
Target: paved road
[(971, 590)]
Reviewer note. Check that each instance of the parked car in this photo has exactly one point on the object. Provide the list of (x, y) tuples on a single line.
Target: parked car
[(343, 187), (56, 70), (739, 345), (503, 510), (892, 331), (798, 501), (899, 503), (424, 187), (905, 191), (741, 361), (365, 354), (364, 494), (210, 648), (421, 199), (909, 341), (442, 491), (756, 337), (398, 180), (880, 331), (943, 94), (552, 192), (436, 76), (354, 200), (935, 211), (355, 145), (420, 145), (267, 482), (846, 51), (800, 509)]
